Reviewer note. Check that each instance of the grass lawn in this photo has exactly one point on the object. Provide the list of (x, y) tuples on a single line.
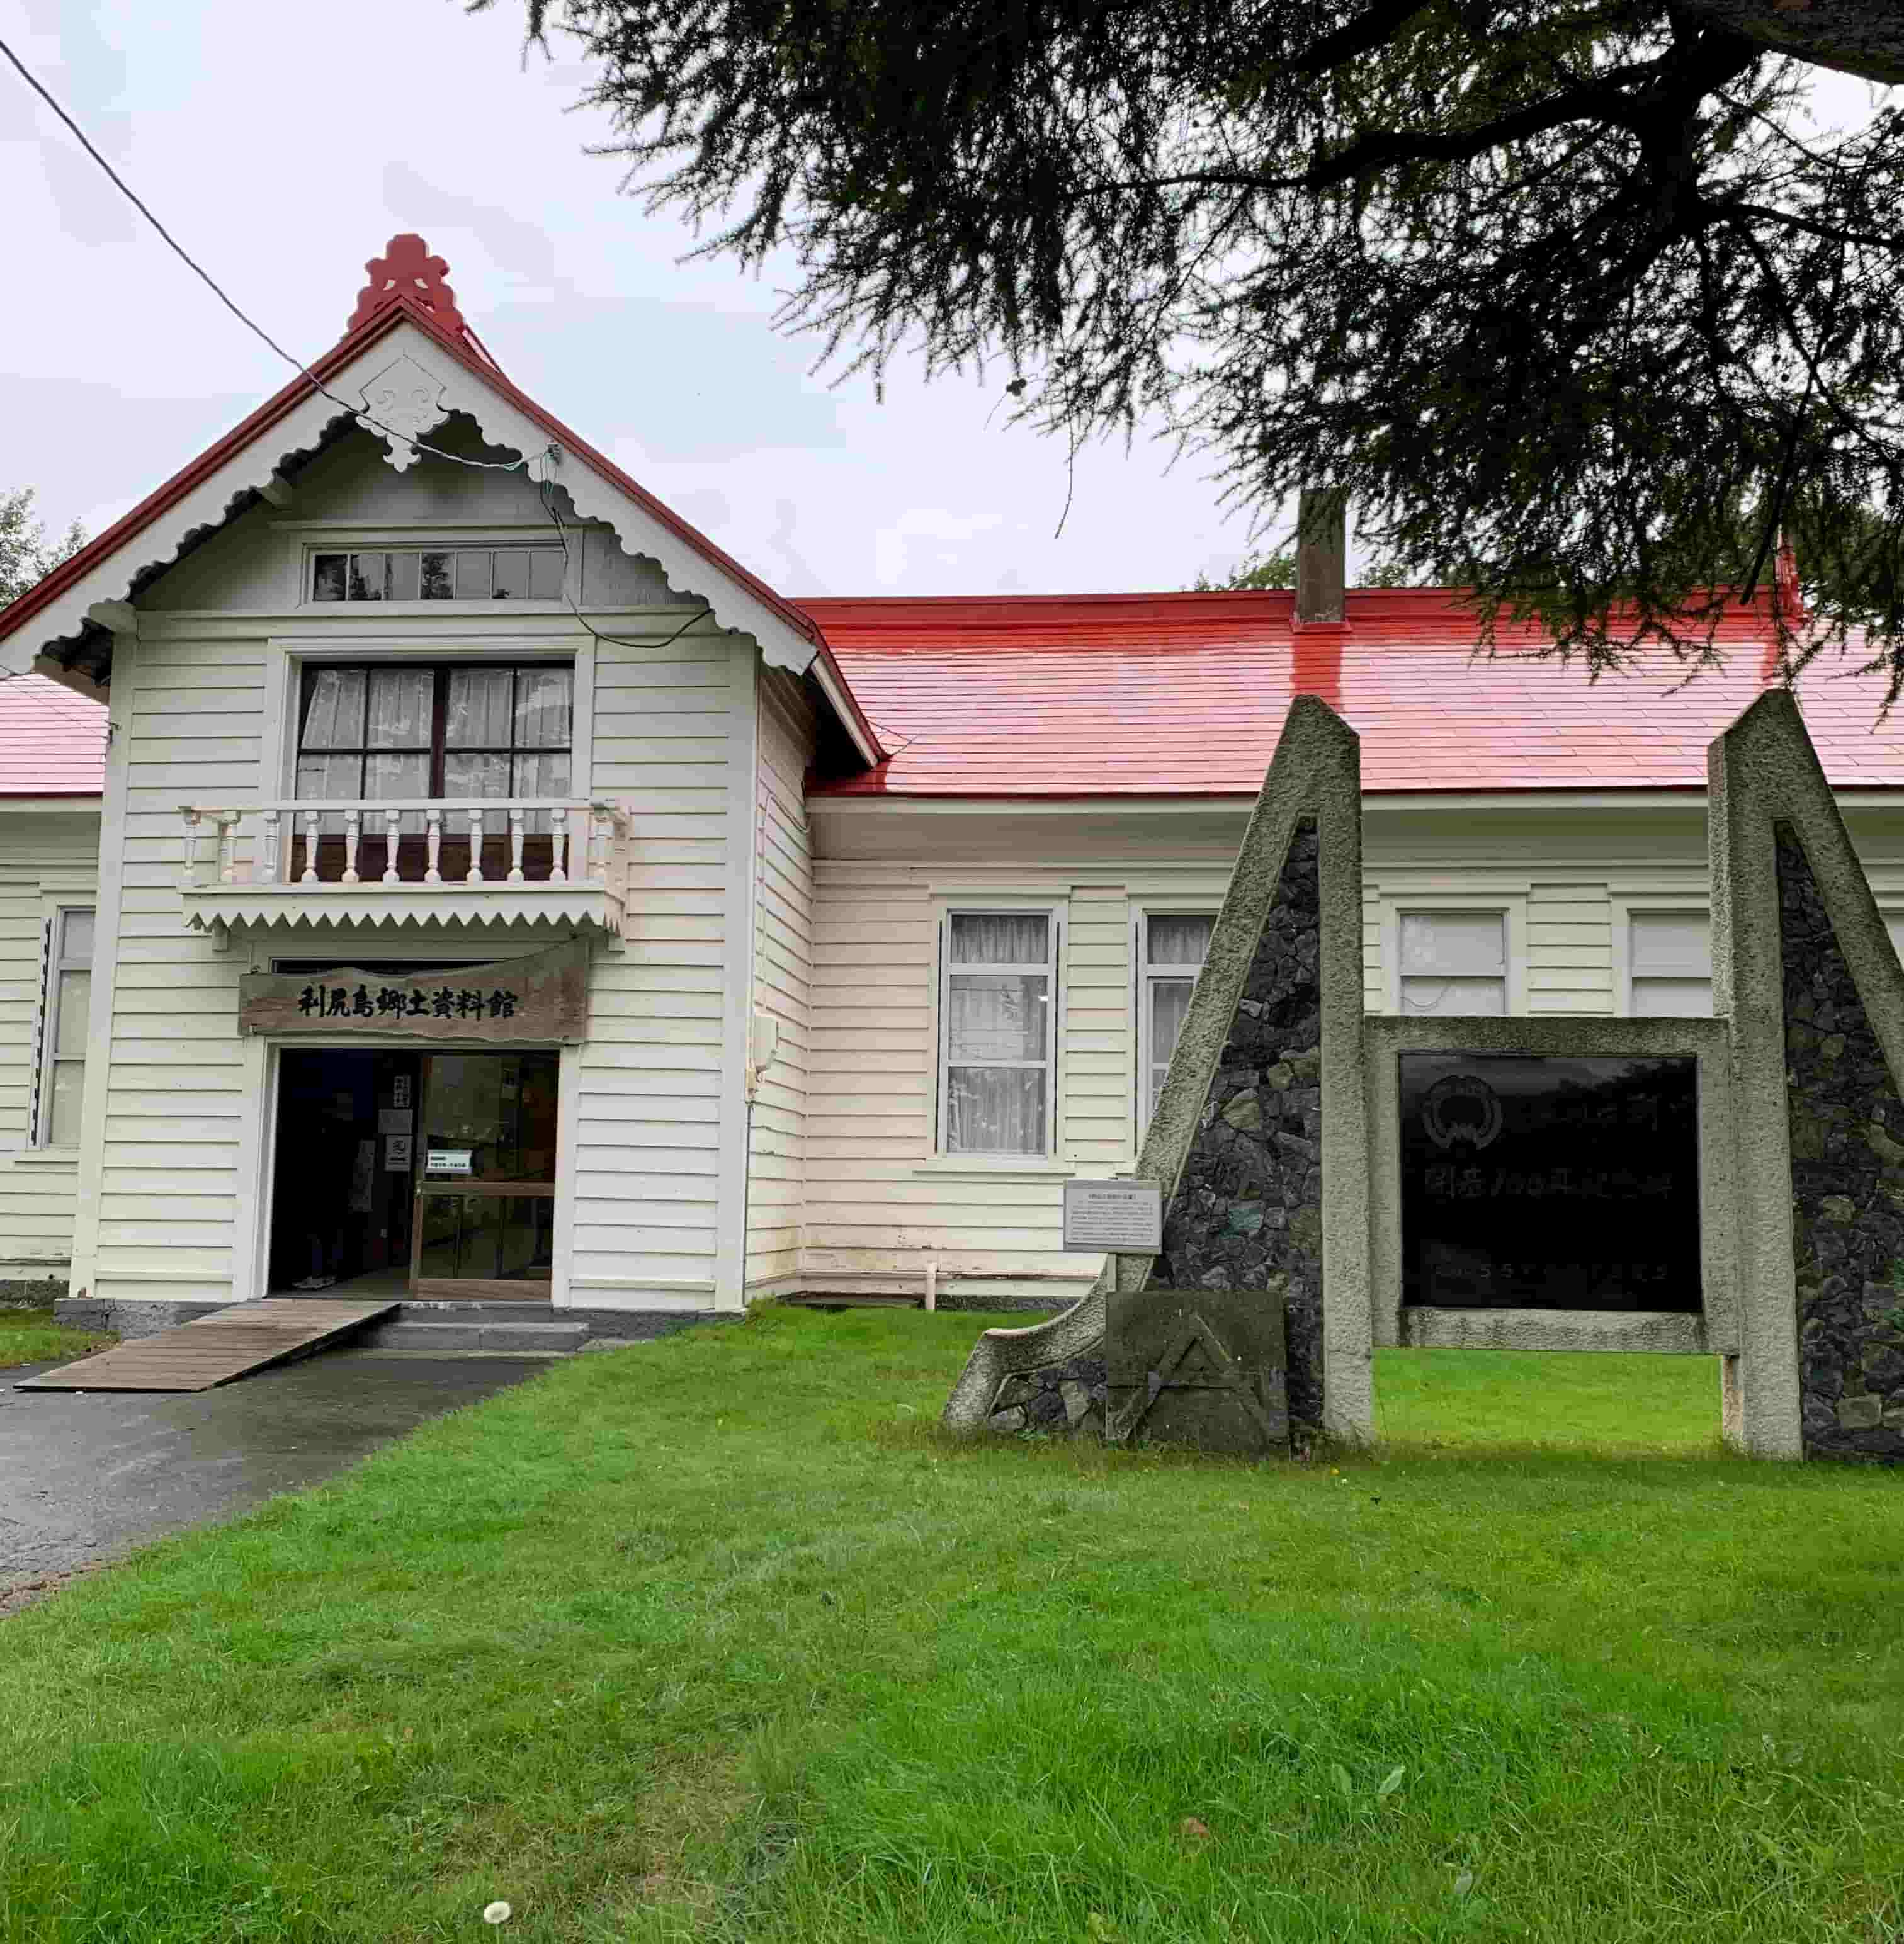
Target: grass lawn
[(719, 1638), (32, 1337)]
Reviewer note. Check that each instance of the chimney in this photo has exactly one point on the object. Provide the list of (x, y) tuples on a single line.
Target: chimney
[(1321, 553)]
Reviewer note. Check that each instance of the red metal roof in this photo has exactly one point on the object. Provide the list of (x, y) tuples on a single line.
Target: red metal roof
[(1184, 694), (52, 742)]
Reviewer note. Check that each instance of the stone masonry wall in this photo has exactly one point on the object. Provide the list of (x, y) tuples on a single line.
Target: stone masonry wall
[(1848, 1187), (1247, 1213)]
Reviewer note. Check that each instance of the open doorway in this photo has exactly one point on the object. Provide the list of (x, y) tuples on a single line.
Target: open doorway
[(408, 1173), (342, 1199)]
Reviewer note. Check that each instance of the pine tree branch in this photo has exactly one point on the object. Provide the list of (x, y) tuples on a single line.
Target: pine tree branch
[(1864, 38)]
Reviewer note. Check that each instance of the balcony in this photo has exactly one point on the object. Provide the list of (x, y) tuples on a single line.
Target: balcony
[(501, 860)]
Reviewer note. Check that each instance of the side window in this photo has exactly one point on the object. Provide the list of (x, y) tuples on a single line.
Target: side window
[(1172, 946), (64, 1005), (1453, 961), (998, 982), (1669, 958)]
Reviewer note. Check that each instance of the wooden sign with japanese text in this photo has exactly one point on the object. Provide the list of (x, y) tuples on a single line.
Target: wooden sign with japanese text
[(537, 999)]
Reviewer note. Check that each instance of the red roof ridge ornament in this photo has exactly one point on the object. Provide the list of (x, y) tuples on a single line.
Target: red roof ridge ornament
[(406, 268)]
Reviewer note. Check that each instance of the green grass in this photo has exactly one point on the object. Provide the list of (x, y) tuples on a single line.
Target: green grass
[(32, 1337), (720, 1638)]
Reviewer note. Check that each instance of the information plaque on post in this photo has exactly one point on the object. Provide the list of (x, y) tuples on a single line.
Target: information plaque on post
[(1124, 1215)]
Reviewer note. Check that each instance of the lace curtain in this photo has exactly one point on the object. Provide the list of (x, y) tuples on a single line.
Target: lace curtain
[(506, 732), (998, 1034)]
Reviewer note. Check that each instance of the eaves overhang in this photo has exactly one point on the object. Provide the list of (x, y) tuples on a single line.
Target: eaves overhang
[(74, 610), (1515, 802)]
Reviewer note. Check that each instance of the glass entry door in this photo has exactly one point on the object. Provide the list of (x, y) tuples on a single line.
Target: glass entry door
[(484, 1226)]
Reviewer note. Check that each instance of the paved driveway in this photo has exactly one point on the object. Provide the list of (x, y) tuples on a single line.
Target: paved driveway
[(87, 1476)]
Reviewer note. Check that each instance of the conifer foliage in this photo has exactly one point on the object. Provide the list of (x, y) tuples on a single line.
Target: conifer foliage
[(1574, 297)]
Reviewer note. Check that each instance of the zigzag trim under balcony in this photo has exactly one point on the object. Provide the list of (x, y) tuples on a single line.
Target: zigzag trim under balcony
[(253, 907)]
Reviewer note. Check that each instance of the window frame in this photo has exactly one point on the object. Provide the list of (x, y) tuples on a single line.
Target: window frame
[(471, 542), (1142, 975), (1510, 906), (1624, 905), (305, 668), (55, 963), (1054, 914)]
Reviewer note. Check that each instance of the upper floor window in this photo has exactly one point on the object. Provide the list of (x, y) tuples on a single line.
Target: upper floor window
[(1453, 961), (64, 1003), (1669, 958), (463, 731), (428, 573), (1172, 948), (995, 1090)]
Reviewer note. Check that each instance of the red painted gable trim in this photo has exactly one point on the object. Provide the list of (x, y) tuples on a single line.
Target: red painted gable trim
[(397, 308)]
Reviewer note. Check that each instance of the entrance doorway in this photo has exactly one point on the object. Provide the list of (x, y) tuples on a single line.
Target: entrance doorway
[(431, 1174)]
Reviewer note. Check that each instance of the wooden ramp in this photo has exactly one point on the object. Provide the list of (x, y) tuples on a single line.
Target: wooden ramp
[(228, 1344)]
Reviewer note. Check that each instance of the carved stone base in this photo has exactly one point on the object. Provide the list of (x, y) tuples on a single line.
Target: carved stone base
[(1205, 1369)]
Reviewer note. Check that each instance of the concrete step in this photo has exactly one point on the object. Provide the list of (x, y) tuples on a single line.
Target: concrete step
[(451, 1336)]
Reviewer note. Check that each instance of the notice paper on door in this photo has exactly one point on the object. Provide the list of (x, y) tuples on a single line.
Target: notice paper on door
[(393, 1120), (448, 1160)]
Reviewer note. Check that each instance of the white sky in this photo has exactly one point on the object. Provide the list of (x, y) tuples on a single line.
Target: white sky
[(283, 146)]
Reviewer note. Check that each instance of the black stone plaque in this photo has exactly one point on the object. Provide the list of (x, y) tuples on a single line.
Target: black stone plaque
[(1542, 1181)]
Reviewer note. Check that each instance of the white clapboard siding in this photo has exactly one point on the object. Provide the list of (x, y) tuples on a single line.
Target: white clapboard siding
[(48, 858), (784, 950), (174, 1081), (643, 1130), (668, 744), (879, 1202)]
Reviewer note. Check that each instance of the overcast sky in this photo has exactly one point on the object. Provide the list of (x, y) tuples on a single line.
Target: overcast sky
[(284, 144)]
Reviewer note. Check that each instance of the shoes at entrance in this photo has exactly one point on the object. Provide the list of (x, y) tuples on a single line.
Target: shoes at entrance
[(314, 1282)]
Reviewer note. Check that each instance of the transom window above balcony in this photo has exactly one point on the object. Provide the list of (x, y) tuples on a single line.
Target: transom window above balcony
[(439, 574)]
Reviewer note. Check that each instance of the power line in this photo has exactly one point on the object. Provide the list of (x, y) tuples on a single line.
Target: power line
[(548, 455), (211, 283)]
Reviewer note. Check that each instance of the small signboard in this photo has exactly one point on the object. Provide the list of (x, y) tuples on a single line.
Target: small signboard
[(447, 1161), (1550, 1181), (396, 1154), (400, 1089), (1125, 1215), (393, 1120)]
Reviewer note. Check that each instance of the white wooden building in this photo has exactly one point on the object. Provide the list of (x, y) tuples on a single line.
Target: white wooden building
[(890, 907)]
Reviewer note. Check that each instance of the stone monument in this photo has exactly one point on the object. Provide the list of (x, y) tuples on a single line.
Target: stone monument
[(1219, 1337)]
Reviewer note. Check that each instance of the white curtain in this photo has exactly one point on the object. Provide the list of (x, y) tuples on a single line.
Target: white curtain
[(1180, 939), (1003, 1020), (333, 718), (1169, 1005), (544, 707), (479, 710), (1454, 962), (399, 708), (1000, 938), (995, 1110)]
